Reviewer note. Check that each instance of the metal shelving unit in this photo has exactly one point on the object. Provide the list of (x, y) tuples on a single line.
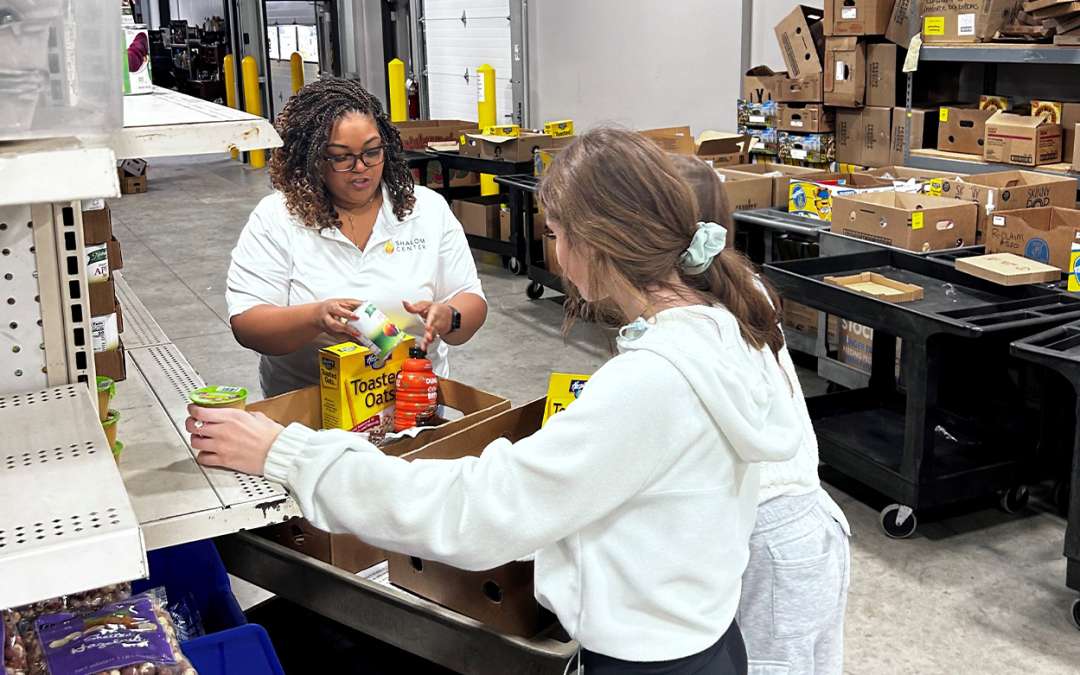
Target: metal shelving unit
[(1001, 53), (949, 162)]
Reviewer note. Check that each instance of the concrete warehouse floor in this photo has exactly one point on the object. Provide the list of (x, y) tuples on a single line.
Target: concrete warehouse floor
[(976, 591)]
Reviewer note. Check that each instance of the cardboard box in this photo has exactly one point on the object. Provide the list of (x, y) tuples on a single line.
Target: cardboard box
[(812, 148), (1043, 234), (505, 148), (304, 406), (802, 41), (931, 182), (762, 141), (551, 261), (539, 225), (102, 297), (719, 148), (344, 551), (1070, 117), (812, 196), (964, 21), (799, 318), (417, 134), (916, 222), (1076, 149), (116, 257), (805, 118), (105, 330), (559, 128), (358, 392), (1023, 140), (781, 175), (1011, 190), (97, 225), (761, 84), (845, 72), (678, 140), (478, 215), (864, 137), (901, 28), (502, 598), (112, 364), (1054, 110), (856, 345), (993, 102), (132, 185), (962, 129), (806, 89), (754, 114), (744, 191), (881, 76), (924, 131), (1008, 269), (857, 17)]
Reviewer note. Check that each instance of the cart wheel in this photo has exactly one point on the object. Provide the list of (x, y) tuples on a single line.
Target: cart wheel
[(1014, 499), (1061, 497), (898, 521), (1074, 613), (514, 266), (535, 290)]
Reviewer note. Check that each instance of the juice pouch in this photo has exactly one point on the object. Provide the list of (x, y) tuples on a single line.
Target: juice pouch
[(377, 332)]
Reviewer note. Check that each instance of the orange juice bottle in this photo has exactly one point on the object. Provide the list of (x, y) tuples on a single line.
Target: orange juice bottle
[(417, 392)]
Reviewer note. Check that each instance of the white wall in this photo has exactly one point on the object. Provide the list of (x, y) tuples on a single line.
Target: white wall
[(764, 50), (637, 63), (195, 11)]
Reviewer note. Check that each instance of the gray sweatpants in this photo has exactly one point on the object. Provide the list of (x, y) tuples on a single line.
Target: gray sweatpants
[(794, 590)]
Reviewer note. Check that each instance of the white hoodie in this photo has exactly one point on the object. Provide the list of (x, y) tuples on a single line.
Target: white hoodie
[(638, 500)]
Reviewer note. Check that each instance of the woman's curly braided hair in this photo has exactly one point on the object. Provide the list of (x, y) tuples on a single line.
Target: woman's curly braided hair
[(304, 124)]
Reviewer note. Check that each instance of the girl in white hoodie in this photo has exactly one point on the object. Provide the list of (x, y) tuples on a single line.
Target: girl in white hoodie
[(795, 585), (639, 500)]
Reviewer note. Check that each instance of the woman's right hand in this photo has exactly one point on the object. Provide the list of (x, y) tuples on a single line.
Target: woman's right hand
[(331, 317)]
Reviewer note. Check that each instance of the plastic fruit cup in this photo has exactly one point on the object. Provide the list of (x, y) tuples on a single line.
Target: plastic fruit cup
[(219, 397), (117, 448), (110, 426), (106, 390)]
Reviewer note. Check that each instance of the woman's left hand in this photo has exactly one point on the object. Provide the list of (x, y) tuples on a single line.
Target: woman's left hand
[(232, 439), (438, 319)]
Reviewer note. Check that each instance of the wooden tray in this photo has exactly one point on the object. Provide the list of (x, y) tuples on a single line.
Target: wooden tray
[(878, 286), (1008, 269)]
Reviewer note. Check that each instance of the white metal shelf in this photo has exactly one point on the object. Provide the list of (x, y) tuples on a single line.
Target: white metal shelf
[(56, 170), (56, 538)]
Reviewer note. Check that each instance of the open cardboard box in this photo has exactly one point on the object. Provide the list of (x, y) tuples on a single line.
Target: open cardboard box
[(1011, 190), (801, 37), (744, 191), (812, 196), (916, 222), (502, 598), (1044, 234), (506, 148), (781, 175), (857, 17)]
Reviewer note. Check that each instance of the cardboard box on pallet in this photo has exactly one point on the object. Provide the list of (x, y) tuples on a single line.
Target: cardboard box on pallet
[(502, 598), (916, 222), (1022, 139), (966, 21), (857, 17), (802, 41), (962, 129), (1011, 190), (924, 131), (805, 118), (780, 174), (1045, 234), (863, 136), (845, 72), (812, 148)]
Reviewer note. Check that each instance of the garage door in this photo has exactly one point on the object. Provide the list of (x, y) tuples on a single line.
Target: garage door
[(459, 36)]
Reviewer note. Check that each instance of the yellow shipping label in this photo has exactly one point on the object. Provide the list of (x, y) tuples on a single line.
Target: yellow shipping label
[(917, 220), (943, 115), (559, 128), (934, 25), (503, 130), (357, 393), (563, 389)]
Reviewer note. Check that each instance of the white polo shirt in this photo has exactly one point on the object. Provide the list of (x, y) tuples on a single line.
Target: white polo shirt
[(278, 261)]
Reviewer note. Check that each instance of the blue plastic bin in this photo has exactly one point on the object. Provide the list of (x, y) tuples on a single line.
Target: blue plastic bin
[(245, 650), (195, 571)]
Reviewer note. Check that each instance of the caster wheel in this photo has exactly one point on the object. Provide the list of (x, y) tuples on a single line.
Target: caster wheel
[(898, 521), (515, 267), (1014, 499), (1061, 497), (535, 290), (1074, 613)]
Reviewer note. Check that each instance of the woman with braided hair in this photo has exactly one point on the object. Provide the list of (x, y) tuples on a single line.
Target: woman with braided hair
[(346, 224)]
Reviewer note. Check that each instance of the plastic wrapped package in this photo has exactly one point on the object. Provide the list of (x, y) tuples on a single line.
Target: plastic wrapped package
[(59, 68)]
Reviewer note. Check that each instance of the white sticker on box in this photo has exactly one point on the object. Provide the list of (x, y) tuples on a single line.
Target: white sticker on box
[(965, 25), (97, 263), (93, 204), (796, 123), (841, 71), (104, 333), (999, 221), (849, 13), (757, 119), (798, 153)]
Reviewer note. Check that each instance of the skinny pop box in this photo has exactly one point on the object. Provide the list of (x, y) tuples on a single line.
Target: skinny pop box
[(358, 387)]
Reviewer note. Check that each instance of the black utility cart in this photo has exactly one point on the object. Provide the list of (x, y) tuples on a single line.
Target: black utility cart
[(766, 235), (1058, 352), (944, 429), (521, 189)]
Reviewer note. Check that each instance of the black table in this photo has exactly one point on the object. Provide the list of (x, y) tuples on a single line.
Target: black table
[(521, 189), (757, 230), (947, 431)]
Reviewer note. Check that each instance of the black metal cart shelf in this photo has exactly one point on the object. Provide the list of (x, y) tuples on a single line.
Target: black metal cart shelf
[(522, 192), (942, 433)]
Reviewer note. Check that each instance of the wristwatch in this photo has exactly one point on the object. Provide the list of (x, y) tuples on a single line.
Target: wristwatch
[(455, 320)]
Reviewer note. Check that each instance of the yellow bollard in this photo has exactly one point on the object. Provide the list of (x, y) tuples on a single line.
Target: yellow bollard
[(395, 74), (229, 66), (485, 112), (249, 73), (296, 66)]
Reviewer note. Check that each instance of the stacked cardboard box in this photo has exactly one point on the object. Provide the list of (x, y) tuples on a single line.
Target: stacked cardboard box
[(103, 259)]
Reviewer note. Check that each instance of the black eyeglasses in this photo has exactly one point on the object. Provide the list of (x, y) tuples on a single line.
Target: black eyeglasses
[(347, 162)]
